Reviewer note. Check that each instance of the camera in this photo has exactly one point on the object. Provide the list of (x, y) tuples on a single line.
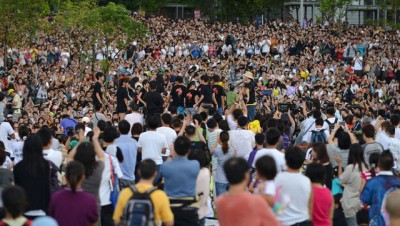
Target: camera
[(71, 131), (284, 107)]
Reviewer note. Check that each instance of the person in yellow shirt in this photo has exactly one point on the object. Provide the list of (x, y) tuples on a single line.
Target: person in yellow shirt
[(162, 210)]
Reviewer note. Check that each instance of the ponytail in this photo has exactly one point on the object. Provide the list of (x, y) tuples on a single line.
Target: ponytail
[(224, 138), (74, 174)]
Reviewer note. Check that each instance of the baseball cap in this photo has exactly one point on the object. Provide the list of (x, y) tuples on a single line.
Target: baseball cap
[(85, 119), (10, 91)]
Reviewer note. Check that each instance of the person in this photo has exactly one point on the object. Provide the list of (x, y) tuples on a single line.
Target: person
[(71, 205), (392, 207), (153, 144), (6, 133), (242, 139), (128, 147), (49, 154), (154, 102), (394, 146), (376, 188), (292, 183), (168, 132), (67, 123), (319, 155), (323, 204), (207, 97), (98, 116), (2, 106), (317, 135), (181, 189), (6, 176), (250, 93), (263, 183), (135, 116), (97, 96), (222, 151), (339, 142), (37, 176), (350, 178), (370, 146), (16, 104), (18, 144), (219, 94), (162, 210), (272, 137), (178, 94), (15, 202), (86, 122), (257, 210), (122, 98)]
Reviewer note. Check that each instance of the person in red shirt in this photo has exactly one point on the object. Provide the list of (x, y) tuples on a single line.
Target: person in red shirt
[(238, 207)]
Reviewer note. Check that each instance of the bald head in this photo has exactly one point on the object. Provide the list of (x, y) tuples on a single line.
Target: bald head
[(392, 204)]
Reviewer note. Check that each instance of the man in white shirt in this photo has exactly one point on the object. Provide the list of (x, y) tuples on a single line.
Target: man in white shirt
[(168, 132), (309, 136), (86, 121), (49, 154), (242, 139), (6, 131), (393, 146), (272, 136), (135, 116)]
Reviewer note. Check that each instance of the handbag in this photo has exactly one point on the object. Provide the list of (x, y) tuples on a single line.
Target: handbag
[(115, 189)]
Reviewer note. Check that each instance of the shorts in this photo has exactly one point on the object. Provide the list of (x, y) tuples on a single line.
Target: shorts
[(181, 110), (190, 111)]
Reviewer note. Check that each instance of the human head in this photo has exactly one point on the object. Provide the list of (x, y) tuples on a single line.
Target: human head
[(23, 131), (182, 145), (316, 173), (32, 150), (272, 136), (294, 158), (166, 119), (368, 131), (100, 76), (134, 107), (212, 123), (260, 139), (147, 169), (46, 135), (236, 170), (124, 127), (137, 129), (319, 122), (153, 85), (75, 174), (86, 155), (198, 154), (110, 134), (356, 156), (242, 121), (153, 121), (266, 167), (395, 119), (386, 161), (344, 141), (14, 201), (319, 153)]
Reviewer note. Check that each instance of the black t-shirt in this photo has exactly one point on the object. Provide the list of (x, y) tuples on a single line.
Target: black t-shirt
[(190, 98), (206, 91), (97, 89), (129, 51), (178, 94), (143, 91), (252, 96), (122, 94), (219, 93), (154, 103)]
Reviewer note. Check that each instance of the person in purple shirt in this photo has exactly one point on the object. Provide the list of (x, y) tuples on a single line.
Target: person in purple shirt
[(66, 122), (73, 206)]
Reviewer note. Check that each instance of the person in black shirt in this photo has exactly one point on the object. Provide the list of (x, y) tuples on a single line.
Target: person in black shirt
[(143, 92), (207, 97), (153, 100), (219, 94), (191, 99), (250, 94), (122, 99), (178, 94), (97, 93)]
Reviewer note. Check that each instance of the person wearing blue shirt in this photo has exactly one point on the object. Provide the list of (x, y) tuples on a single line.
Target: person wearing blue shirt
[(376, 188), (67, 122), (128, 147)]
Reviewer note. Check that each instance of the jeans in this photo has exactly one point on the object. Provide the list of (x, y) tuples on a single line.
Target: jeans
[(351, 221), (125, 183), (220, 188), (219, 110), (251, 112), (158, 177)]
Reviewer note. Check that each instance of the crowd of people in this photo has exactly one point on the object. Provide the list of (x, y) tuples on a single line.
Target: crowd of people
[(278, 124)]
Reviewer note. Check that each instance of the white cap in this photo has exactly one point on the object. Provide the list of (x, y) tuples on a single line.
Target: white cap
[(85, 119)]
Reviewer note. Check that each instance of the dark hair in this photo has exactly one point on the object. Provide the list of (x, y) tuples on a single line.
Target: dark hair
[(147, 169), (45, 135), (80, 126), (182, 145), (179, 79), (356, 156), (395, 119), (98, 75), (32, 155), (134, 106), (322, 153), (124, 127), (205, 78), (369, 131), (224, 138), (3, 156), (386, 161), (223, 125), (316, 173), (390, 129), (190, 130), (97, 107), (211, 123), (23, 131), (373, 163), (266, 167), (344, 141), (235, 170), (110, 134), (86, 155), (14, 200), (319, 122), (330, 111), (153, 121), (198, 154), (74, 174), (2, 96), (237, 113), (217, 117), (294, 157), (137, 129), (260, 138), (317, 114), (272, 136), (242, 121), (166, 118), (153, 85), (102, 125)]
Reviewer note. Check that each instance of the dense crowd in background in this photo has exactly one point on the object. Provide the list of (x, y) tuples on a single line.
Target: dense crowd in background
[(203, 123)]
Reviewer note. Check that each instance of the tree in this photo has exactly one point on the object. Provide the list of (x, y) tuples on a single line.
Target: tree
[(332, 9), (20, 19)]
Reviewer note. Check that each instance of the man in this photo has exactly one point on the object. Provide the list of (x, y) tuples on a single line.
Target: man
[(169, 133), (231, 206), (178, 94), (86, 121), (151, 143), (16, 104), (250, 93), (181, 189), (6, 132), (97, 95), (330, 120), (135, 116), (98, 115), (272, 136), (242, 138), (393, 146), (153, 100), (219, 93), (128, 147), (319, 134), (296, 187), (66, 123), (162, 211), (376, 188), (393, 208), (370, 146), (49, 154)]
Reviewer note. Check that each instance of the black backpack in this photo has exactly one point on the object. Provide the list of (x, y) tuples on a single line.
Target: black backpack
[(331, 125), (139, 209)]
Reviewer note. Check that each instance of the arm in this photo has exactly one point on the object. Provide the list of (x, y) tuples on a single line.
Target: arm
[(198, 133), (71, 154), (97, 147), (311, 204), (332, 136), (332, 211)]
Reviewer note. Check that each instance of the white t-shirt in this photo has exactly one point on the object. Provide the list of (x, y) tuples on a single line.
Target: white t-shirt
[(170, 134), (397, 133), (133, 118), (394, 147), (358, 63), (6, 130), (307, 136), (278, 156), (152, 143), (87, 130), (297, 188), (243, 141), (105, 188), (17, 147), (53, 156)]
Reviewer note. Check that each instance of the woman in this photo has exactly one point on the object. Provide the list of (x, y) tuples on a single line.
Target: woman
[(339, 142), (36, 176), (122, 99), (223, 152), (320, 155), (18, 144), (351, 180), (73, 206), (202, 184)]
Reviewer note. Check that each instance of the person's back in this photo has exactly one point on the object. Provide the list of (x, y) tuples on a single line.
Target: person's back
[(151, 144), (242, 140), (6, 175), (370, 146)]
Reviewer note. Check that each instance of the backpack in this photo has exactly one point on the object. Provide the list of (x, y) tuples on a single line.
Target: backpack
[(139, 210), (318, 136), (331, 125)]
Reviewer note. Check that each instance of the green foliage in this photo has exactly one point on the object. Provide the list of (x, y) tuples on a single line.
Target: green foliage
[(330, 8)]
